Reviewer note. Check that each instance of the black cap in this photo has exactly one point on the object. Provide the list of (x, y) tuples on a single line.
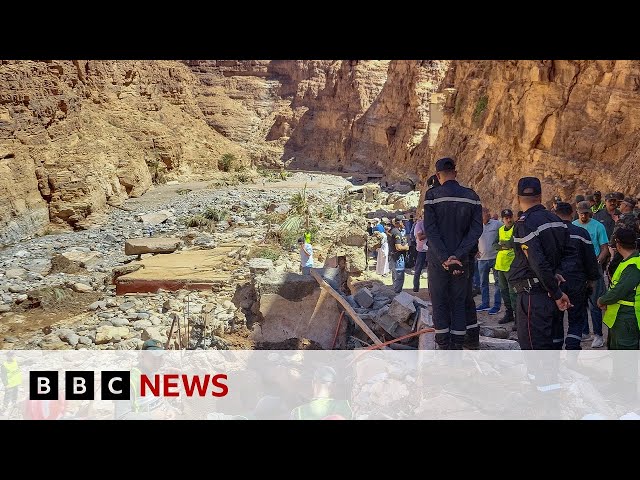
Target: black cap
[(597, 192), (433, 181), (529, 187), (564, 208), (506, 213), (629, 200), (399, 218), (580, 198), (610, 196), (445, 164), (618, 195), (625, 236), (301, 240)]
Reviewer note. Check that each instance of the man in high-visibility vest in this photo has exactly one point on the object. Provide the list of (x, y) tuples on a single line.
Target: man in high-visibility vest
[(504, 245), (622, 300), (11, 379), (323, 404)]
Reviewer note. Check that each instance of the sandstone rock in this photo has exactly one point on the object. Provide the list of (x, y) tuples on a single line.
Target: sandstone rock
[(408, 201), (107, 334), (154, 333), (83, 259), (82, 288), (16, 273), (16, 289), (371, 192), (5, 308), (41, 266), (142, 324), (119, 322), (52, 342), (151, 219), (260, 265), (124, 270), (21, 298), (97, 305), (126, 306), (139, 246)]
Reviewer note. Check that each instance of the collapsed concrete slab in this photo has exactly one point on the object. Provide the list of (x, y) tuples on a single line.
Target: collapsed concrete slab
[(294, 306), (139, 246), (192, 270), (402, 307)]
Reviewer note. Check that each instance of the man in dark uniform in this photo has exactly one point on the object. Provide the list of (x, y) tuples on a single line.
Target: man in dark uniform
[(580, 270), (540, 239), (453, 225), (398, 248)]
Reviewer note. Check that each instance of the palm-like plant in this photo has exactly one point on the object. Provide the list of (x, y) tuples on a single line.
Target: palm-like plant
[(300, 213)]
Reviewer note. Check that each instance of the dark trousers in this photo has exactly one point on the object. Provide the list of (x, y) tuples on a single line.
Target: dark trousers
[(539, 321), (448, 297), (508, 295), (411, 255), (396, 275), (596, 313), (577, 314), (485, 267), (421, 263), (472, 338)]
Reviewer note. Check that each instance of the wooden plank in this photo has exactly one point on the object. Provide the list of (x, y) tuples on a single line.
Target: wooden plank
[(325, 286)]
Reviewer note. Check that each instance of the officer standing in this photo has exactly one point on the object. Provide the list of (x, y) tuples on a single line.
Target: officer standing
[(540, 238), (453, 224), (580, 270)]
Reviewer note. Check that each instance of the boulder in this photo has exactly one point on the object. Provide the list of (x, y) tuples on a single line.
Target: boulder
[(260, 265), (106, 334), (488, 343), (407, 202), (371, 192), (83, 259), (154, 333), (41, 266), (82, 288), (156, 218), (52, 342), (15, 273), (139, 246)]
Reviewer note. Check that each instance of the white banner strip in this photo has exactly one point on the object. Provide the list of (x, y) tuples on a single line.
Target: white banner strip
[(312, 384)]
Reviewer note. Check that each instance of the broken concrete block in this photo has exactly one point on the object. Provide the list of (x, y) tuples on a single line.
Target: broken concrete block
[(402, 307), (488, 343), (364, 298), (138, 246), (260, 265)]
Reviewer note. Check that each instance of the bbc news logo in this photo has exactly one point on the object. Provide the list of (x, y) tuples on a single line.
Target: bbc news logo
[(116, 385)]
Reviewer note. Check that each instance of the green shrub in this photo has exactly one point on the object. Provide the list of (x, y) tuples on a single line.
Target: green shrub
[(266, 252), (215, 214), (328, 212), (243, 177), (226, 162), (196, 221), (481, 106)]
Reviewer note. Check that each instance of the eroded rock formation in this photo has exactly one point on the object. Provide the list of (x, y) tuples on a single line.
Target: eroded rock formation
[(574, 124)]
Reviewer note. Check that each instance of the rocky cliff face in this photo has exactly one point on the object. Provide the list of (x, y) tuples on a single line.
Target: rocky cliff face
[(573, 124), (75, 135), (78, 135), (369, 117)]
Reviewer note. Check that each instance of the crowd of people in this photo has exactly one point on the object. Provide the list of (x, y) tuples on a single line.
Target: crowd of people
[(580, 258)]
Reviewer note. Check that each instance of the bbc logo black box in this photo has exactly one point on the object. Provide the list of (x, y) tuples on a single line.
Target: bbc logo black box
[(79, 385)]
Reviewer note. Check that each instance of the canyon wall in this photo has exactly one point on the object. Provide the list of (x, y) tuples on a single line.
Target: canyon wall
[(573, 124), (76, 135)]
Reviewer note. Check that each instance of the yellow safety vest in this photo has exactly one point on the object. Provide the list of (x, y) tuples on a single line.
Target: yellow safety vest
[(505, 257), (14, 375), (320, 408), (611, 313)]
